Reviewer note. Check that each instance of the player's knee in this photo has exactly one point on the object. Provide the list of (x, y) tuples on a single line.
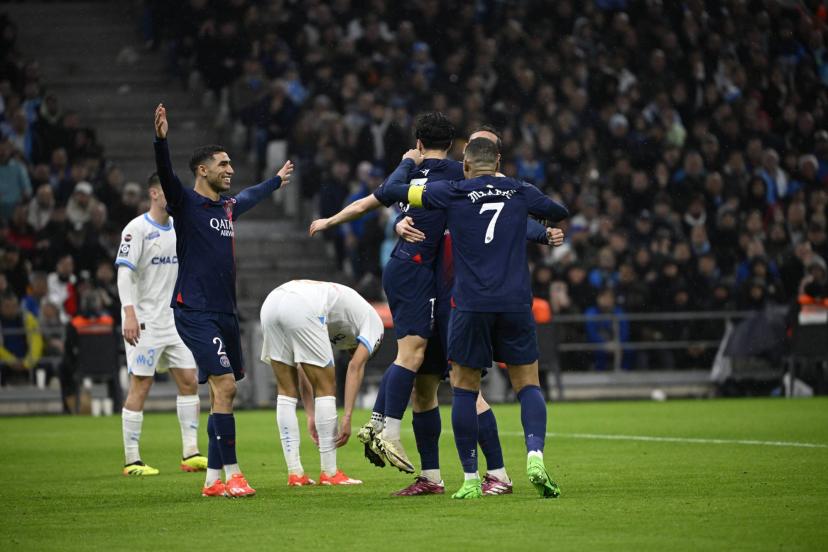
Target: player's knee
[(140, 386), (424, 396), (465, 378), (411, 359), (189, 387)]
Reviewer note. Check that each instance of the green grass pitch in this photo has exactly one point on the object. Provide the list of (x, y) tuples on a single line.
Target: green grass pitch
[(696, 489)]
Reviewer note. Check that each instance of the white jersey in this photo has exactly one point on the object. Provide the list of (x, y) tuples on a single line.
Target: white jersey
[(304, 320), (148, 248), (349, 318)]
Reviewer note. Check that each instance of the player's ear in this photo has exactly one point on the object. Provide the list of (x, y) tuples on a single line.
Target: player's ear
[(419, 145)]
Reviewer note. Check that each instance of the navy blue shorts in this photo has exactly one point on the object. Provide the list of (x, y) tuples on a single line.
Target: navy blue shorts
[(477, 338), (410, 290), (214, 339), (435, 361)]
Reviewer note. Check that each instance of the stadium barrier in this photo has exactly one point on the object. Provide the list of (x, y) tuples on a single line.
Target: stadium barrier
[(257, 390)]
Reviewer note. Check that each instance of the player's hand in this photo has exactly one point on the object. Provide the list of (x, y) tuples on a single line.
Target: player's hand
[(414, 155), (344, 431), (312, 430), (405, 229), (319, 225), (132, 330), (555, 236), (161, 125), (285, 172)]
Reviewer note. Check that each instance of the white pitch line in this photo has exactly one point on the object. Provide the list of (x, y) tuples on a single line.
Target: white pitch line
[(693, 440)]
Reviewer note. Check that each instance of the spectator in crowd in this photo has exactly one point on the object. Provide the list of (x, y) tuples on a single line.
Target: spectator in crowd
[(41, 207), (37, 290), (62, 291), (603, 332), (15, 186), (21, 344), (81, 204)]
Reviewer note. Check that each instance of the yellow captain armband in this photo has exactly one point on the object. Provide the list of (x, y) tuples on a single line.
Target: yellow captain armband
[(415, 195)]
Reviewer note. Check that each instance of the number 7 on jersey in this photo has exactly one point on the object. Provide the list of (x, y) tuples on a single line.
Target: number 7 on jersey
[(496, 207)]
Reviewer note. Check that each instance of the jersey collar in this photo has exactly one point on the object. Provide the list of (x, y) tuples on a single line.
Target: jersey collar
[(160, 227)]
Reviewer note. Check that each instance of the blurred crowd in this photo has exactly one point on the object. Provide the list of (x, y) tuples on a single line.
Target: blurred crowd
[(689, 139), (62, 208)]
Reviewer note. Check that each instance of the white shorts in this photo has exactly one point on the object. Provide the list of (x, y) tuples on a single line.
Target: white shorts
[(293, 331), (146, 359)]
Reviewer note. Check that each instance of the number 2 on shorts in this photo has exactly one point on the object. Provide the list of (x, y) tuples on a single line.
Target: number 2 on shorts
[(220, 346)]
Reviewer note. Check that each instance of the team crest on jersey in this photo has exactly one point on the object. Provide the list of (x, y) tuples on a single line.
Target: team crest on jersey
[(124, 250), (224, 361), (152, 235)]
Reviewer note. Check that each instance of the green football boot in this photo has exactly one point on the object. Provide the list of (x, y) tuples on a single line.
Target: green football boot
[(539, 477), (471, 489)]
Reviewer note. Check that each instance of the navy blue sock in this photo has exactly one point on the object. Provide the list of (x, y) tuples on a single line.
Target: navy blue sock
[(533, 417), (489, 440), (213, 452), (379, 403), (398, 390), (427, 427), (225, 425), (464, 422)]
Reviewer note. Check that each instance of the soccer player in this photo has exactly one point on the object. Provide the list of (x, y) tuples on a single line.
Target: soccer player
[(204, 296), (302, 322), (410, 284), (147, 268), (491, 298)]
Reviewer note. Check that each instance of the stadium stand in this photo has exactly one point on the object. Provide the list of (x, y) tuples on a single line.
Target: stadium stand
[(696, 171)]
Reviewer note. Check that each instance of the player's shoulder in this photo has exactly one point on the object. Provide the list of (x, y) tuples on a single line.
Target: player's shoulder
[(136, 226)]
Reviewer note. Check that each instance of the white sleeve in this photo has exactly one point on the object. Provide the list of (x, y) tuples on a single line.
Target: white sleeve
[(371, 330), (132, 242), (127, 285)]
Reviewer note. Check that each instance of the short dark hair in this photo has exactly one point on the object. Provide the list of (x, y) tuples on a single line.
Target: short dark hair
[(493, 130), (434, 130), (482, 150), (154, 180), (202, 154)]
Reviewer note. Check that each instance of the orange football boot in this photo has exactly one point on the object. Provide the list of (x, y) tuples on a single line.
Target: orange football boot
[(237, 487)]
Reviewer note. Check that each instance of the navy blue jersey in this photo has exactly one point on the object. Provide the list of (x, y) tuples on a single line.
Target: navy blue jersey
[(487, 220), (204, 238), (431, 222)]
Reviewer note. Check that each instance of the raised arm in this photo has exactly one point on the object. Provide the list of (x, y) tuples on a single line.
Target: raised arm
[(249, 197), (173, 189), (395, 187), (351, 212)]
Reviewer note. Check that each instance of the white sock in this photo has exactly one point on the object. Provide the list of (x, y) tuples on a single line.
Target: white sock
[(187, 407), (500, 474), (230, 470), (392, 429), (212, 476), (131, 423), (326, 428), (377, 418), (288, 425), (537, 453), (474, 475), (432, 475)]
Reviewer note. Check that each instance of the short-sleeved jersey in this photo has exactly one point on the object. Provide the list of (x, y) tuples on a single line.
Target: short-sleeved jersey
[(205, 238), (148, 249), (349, 318), (432, 223), (487, 220)]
